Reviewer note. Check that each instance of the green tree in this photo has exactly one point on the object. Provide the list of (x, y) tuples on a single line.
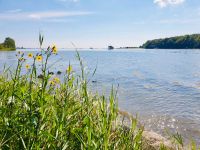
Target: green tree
[(177, 42), (9, 43), (1, 46)]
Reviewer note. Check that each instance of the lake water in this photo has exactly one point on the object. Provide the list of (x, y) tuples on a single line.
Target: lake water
[(161, 86)]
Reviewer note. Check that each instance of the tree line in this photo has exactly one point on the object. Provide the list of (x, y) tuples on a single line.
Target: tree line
[(177, 42), (8, 44)]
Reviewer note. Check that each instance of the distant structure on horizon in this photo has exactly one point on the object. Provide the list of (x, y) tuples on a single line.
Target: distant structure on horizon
[(128, 47), (110, 47)]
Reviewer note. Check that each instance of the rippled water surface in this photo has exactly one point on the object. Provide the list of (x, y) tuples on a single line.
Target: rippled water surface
[(161, 86)]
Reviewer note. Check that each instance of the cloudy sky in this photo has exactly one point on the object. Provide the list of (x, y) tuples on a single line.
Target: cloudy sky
[(96, 23)]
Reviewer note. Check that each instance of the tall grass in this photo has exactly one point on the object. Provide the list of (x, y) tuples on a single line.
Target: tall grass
[(45, 113)]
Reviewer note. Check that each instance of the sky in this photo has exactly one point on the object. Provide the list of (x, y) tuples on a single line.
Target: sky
[(96, 23)]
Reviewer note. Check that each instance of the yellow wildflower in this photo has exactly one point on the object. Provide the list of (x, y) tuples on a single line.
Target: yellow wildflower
[(69, 69), (21, 59), (27, 66), (56, 80), (54, 49), (52, 83), (39, 58), (30, 55)]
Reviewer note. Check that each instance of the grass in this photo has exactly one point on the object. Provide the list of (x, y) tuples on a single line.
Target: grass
[(46, 113), (7, 49)]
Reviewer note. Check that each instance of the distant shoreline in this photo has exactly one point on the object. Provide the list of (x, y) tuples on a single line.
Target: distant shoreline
[(7, 49), (177, 42), (35, 49)]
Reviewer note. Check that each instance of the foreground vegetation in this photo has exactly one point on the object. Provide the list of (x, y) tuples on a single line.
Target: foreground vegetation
[(8, 45), (178, 42), (47, 113)]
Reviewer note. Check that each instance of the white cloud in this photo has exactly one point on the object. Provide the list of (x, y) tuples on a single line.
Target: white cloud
[(42, 15), (59, 14), (165, 3)]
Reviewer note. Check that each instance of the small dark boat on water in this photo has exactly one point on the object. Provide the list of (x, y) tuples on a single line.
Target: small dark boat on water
[(110, 47)]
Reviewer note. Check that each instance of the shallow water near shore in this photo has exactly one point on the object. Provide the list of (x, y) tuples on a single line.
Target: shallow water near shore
[(161, 86)]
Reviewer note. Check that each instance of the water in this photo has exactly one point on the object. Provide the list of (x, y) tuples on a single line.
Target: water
[(161, 86)]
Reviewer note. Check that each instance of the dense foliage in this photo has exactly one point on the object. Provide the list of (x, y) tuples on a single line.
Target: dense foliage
[(178, 42), (8, 44)]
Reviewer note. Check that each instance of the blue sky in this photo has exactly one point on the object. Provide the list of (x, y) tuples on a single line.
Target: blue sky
[(96, 23)]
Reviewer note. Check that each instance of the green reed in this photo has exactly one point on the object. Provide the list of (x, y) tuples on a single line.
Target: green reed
[(45, 113)]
